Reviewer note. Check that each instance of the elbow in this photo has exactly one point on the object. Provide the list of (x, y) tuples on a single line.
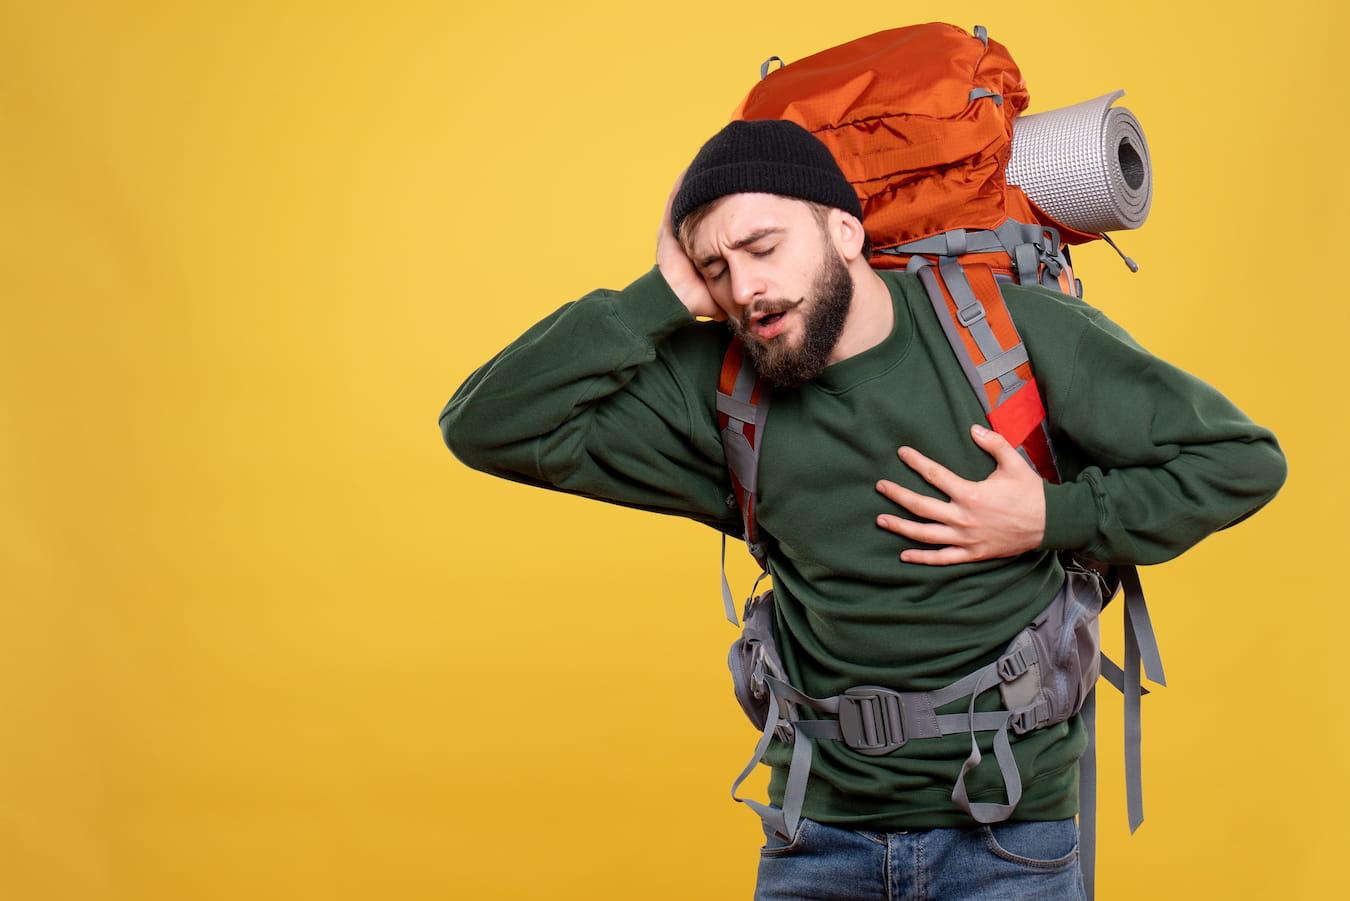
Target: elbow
[(1277, 468), (1266, 470), (1274, 468), (457, 437), (1263, 474)]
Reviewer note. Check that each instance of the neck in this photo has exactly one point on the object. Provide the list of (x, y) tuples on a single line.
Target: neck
[(871, 315)]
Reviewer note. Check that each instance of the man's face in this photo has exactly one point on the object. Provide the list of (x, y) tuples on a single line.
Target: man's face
[(791, 267)]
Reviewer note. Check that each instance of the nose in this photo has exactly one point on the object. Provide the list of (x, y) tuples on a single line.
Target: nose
[(746, 288)]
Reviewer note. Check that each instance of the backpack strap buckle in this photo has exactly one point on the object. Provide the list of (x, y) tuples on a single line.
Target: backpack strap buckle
[(1030, 717), (1015, 663), (870, 719), (971, 313)]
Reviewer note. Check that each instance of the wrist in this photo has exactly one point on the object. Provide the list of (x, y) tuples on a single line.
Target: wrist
[(1070, 516)]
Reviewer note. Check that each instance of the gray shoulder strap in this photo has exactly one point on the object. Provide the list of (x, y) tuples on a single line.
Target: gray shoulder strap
[(744, 418)]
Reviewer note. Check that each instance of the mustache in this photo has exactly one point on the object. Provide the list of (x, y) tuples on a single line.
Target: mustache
[(768, 311)]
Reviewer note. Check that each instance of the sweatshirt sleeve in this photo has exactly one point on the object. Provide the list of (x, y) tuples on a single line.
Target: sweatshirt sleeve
[(1170, 459), (593, 400)]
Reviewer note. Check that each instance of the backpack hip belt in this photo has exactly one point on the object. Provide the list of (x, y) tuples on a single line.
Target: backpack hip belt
[(1044, 676)]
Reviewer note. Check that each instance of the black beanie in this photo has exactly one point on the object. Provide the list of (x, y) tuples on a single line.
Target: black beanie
[(773, 156)]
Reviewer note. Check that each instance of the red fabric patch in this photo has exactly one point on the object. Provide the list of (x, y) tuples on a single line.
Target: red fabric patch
[(1020, 415)]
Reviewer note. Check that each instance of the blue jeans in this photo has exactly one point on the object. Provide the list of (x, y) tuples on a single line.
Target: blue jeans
[(1003, 861)]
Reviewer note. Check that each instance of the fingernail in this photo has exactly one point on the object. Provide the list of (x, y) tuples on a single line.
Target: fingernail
[(881, 520), (978, 429)]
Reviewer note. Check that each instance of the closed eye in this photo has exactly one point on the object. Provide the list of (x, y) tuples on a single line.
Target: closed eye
[(762, 253)]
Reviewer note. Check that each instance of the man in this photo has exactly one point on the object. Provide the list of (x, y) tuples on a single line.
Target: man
[(907, 544)]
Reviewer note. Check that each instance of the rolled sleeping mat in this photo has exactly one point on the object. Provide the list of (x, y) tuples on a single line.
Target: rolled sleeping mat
[(1087, 165)]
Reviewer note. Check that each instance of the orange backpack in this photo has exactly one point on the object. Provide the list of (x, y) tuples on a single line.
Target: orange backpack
[(920, 120)]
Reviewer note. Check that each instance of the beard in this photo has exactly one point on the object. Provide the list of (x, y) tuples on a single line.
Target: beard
[(823, 313)]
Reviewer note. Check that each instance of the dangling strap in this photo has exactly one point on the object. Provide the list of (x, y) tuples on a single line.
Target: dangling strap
[(1141, 645), (875, 720), (784, 819), (1087, 795), (772, 815), (727, 602)]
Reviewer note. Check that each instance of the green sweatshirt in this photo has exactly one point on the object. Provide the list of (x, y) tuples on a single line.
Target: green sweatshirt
[(612, 396)]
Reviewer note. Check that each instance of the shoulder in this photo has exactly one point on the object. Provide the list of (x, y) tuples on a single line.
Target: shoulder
[(1046, 305), (693, 355), (698, 346)]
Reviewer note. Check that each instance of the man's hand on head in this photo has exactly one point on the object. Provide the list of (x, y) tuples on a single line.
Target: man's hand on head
[(1001, 516), (678, 270)]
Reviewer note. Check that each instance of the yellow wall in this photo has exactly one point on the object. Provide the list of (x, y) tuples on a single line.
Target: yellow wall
[(263, 637)]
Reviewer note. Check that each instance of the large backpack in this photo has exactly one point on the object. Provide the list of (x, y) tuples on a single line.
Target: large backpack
[(920, 120)]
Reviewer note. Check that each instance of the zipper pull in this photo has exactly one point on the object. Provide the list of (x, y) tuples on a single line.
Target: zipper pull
[(1134, 267)]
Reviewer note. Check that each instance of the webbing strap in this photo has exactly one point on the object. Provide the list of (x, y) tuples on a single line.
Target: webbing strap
[(941, 724), (1026, 244), (1002, 364), (742, 456), (977, 323), (735, 407), (1018, 414), (1141, 646), (774, 816), (1112, 673), (954, 242), (961, 687), (727, 602), (977, 93), (1025, 258), (970, 313), (934, 292), (764, 66), (1087, 795), (989, 812), (782, 695)]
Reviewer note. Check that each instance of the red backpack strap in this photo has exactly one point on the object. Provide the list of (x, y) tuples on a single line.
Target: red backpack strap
[(742, 406), (982, 334)]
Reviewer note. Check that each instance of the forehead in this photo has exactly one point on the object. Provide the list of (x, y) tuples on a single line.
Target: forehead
[(742, 216)]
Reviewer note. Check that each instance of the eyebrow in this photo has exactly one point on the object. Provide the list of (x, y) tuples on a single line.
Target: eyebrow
[(737, 245)]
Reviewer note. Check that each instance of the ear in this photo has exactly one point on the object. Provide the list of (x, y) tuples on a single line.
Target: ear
[(848, 234)]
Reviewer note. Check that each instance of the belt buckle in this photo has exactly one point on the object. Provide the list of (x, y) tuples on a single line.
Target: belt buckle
[(870, 720)]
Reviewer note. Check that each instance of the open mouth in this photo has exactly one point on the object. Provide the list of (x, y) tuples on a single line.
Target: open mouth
[(770, 325)]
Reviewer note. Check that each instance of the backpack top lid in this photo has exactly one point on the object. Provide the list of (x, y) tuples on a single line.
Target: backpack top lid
[(920, 120)]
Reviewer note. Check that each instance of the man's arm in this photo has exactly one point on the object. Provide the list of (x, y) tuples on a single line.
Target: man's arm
[(1153, 458), (592, 400), (1170, 460)]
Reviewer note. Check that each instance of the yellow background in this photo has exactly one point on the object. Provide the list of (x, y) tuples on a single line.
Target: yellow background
[(263, 637)]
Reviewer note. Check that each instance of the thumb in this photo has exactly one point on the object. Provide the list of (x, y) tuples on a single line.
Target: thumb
[(996, 445)]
